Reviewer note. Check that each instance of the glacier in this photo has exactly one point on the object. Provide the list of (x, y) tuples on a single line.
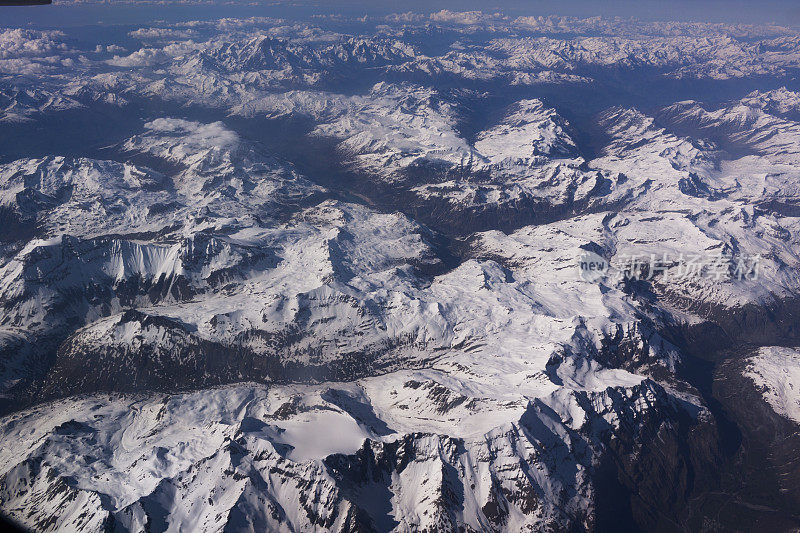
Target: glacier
[(322, 275)]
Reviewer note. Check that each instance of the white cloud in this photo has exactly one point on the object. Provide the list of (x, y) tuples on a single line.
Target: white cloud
[(30, 43), (24, 66), (161, 34), (141, 58), (196, 135), (463, 17)]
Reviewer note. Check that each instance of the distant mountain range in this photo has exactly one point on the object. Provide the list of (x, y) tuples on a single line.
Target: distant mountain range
[(257, 274)]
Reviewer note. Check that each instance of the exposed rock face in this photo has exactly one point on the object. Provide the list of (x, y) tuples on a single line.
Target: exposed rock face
[(535, 471), (316, 281)]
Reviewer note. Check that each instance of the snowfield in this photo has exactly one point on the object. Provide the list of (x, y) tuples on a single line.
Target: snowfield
[(291, 276), (775, 370)]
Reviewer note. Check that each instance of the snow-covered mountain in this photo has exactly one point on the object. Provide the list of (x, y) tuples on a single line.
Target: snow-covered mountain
[(263, 274)]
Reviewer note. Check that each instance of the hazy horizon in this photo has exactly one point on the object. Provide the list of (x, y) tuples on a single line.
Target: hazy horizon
[(65, 13)]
